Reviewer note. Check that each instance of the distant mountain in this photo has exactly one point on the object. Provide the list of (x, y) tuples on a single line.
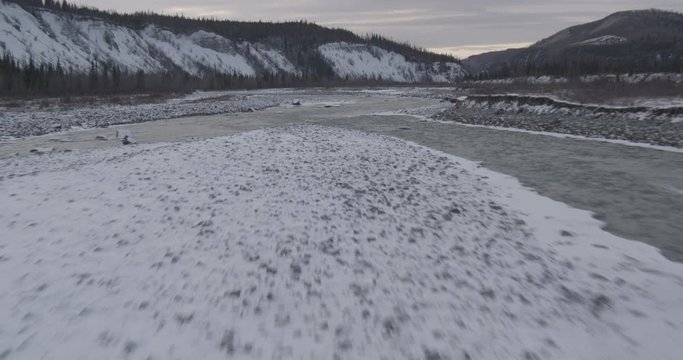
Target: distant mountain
[(75, 39), (629, 41)]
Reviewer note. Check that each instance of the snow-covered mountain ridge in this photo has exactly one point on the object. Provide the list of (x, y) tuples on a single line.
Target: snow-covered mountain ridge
[(368, 61), (75, 42)]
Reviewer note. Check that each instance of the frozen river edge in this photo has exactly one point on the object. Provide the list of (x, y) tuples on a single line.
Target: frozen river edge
[(635, 191)]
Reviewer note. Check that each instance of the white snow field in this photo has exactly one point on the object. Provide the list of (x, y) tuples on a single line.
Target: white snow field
[(307, 242)]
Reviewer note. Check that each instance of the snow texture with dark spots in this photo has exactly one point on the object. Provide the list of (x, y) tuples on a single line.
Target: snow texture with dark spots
[(307, 242), (24, 123)]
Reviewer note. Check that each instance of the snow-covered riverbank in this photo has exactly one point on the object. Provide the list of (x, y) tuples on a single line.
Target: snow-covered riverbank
[(313, 242), (659, 126), (27, 120), (15, 124)]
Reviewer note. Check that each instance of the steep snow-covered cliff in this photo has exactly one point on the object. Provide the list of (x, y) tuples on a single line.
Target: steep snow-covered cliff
[(50, 37), (367, 61)]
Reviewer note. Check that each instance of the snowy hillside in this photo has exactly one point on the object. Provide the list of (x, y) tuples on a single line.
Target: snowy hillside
[(367, 61), (640, 41), (75, 41), (604, 40), (51, 37)]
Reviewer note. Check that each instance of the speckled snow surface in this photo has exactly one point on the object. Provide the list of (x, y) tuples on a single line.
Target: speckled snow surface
[(309, 242)]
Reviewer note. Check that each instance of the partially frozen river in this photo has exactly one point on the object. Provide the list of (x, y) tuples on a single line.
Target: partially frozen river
[(637, 192), (305, 232)]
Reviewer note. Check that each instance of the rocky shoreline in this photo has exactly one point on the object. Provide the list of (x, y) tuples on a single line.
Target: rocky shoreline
[(656, 126), (19, 124)]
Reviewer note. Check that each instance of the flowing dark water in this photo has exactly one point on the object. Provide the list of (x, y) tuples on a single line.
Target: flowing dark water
[(637, 192)]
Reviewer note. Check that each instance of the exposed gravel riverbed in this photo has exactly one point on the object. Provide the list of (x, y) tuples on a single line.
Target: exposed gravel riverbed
[(651, 126)]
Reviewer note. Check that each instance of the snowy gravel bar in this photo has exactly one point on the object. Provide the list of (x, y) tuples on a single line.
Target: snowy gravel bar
[(17, 124), (307, 242)]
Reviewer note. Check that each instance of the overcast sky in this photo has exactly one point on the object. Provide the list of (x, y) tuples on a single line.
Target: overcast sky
[(461, 27)]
